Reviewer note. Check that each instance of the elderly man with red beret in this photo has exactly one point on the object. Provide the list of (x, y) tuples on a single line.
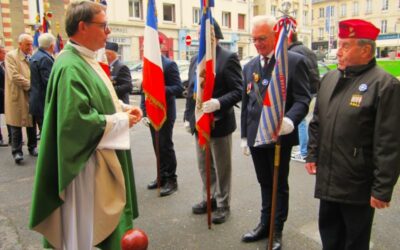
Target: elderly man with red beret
[(354, 145)]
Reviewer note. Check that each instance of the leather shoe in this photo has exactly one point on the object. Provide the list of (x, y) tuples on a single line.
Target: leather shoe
[(201, 207), (18, 157), (153, 184), (221, 215), (33, 152), (3, 144), (277, 241), (170, 187), (258, 233)]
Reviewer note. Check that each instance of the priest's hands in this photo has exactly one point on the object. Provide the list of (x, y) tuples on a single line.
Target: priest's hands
[(135, 115), (375, 203)]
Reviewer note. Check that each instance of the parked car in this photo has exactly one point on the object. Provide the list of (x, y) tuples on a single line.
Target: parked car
[(323, 69), (137, 74)]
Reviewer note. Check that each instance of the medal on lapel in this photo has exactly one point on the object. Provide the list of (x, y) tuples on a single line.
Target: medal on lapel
[(256, 77), (248, 89), (355, 100)]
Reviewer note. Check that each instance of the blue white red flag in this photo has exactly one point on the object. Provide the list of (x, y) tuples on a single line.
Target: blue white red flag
[(205, 73), (153, 76), (275, 97)]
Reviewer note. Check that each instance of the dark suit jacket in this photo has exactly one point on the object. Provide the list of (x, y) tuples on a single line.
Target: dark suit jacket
[(40, 65), (2, 90), (173, 87), (297, 98), (122, 80), (227, 89)]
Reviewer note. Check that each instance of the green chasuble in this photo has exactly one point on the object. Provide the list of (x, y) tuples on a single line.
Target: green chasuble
[(77, 101)]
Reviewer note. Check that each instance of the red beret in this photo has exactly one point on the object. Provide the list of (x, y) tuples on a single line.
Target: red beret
[(357, 28)]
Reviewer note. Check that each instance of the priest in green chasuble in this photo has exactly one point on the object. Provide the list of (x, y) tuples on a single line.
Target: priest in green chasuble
[(84, 191)]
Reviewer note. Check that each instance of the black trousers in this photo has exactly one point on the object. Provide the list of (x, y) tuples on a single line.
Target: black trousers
[(263, 159), (16, 139), (345, 226), (166, 147)]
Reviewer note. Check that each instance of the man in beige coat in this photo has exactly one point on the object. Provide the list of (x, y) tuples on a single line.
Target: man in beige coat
[(17, 97)]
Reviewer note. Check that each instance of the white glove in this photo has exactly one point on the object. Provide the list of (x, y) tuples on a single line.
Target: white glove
[(245, 148), (211, 106), (287, 126), (146, 121), (188, 129)]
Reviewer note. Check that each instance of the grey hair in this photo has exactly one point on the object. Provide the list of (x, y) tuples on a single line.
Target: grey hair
[(46, 40), (263, 19), (372, 43), (24, 36)]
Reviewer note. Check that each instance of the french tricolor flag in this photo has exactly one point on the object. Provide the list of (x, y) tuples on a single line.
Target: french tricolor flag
[(205, 73), (153, 76)]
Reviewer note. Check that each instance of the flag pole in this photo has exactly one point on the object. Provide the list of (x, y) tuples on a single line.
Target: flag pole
[(277, 159), (208, 182), (157, 142)]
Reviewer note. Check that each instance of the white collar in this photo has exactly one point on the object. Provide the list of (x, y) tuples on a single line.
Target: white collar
[(83, 50)]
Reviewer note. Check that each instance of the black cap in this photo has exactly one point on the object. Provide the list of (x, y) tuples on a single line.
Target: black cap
[(112, 46), (217, 30)]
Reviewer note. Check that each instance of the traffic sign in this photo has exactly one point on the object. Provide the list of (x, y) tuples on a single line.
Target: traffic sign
[(188, 40)]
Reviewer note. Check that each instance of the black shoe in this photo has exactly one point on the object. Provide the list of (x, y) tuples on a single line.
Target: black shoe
[(221, 215), (3, 144), (153, 184), (277, 241), (258, 233), (201, 207), (168, 188), (33, 152), (18, 157)]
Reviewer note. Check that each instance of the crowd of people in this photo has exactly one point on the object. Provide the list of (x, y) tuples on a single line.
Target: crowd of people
[(84, 167)]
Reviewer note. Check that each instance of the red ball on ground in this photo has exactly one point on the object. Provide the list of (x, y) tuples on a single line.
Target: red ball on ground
[(134, 239)]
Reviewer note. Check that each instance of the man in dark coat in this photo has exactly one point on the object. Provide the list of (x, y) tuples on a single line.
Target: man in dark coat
[(257, 74), (227, 92), (313, 76), (2, 56), (40, 64), (173, 88), (354, 146), (120, 74)]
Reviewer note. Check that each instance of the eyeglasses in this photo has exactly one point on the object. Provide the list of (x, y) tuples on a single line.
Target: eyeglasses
[(104, 25), (259, 39)]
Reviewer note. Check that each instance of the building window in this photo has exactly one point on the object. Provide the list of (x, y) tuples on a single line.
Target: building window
[(332, 31), (169, 12), (240, 52), (368, 8), (32, 8), (385, 4), (383, 26), (294, 13), (320, 34), (343, 10), (355, 9), (321, 12), (196, 15), (305, 17), (273, 10), (226, 19), (241, 21), (136, 9)]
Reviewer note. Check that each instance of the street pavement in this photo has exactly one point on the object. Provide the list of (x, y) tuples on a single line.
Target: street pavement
[(168, 221)]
